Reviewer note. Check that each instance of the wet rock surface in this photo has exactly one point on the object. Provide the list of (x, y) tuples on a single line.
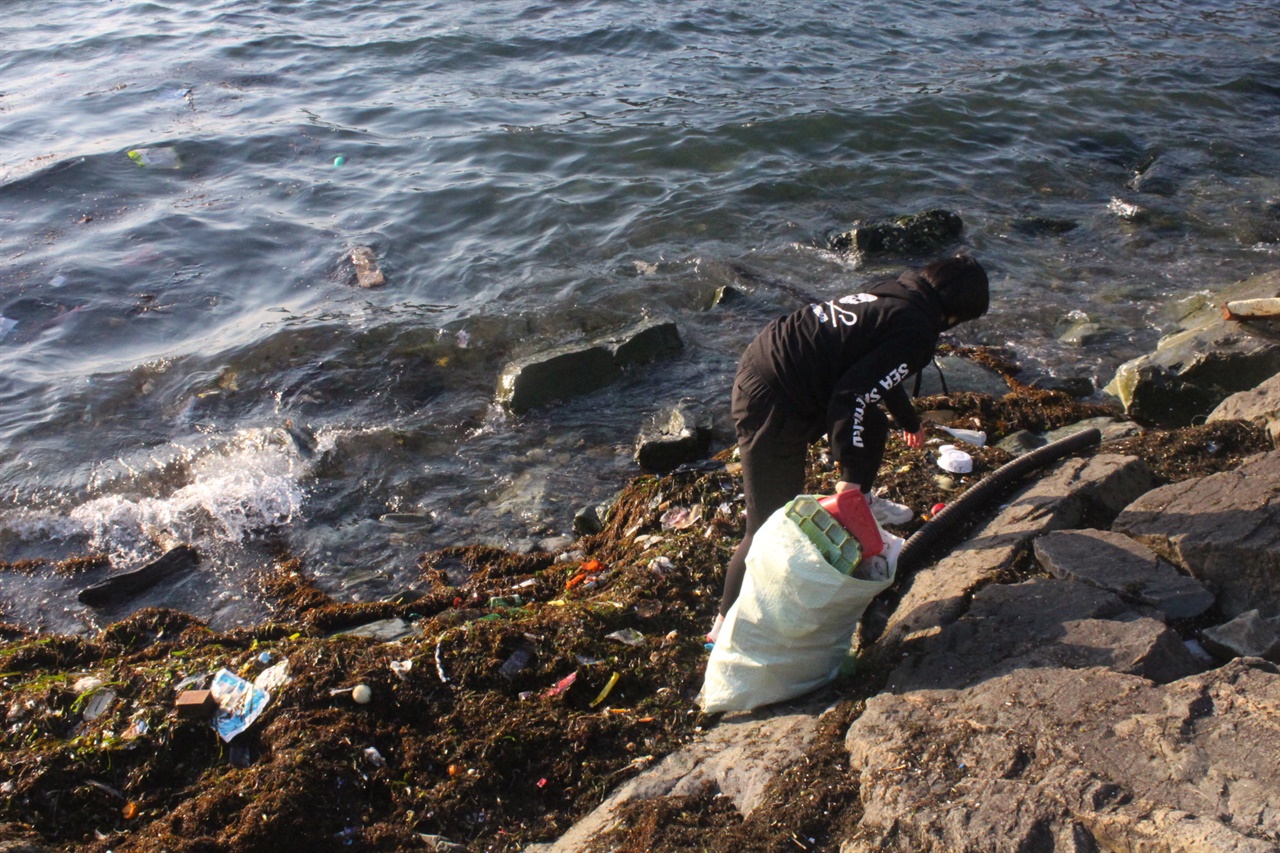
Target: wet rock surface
[(676, 436), (916, 234), (569, 371)]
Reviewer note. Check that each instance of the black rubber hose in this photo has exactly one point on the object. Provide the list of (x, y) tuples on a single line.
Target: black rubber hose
[(991, 487)]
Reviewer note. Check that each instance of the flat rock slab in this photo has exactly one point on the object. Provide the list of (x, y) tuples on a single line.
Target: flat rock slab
[(1224, 529), (741, 756), (1257, 404), (1061, 499), (959, 374), (1073, 760), (1042, 623), (1113, 561)]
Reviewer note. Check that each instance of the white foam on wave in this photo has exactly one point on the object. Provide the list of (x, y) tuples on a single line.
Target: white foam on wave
[(233, 489)]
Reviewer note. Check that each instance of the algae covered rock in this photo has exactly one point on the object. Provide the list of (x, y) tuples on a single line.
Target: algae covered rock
[(918, 233), (1195, 369)]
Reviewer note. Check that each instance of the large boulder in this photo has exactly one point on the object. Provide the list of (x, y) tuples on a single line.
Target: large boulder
[(1114, 562), (1072, 760), (1040, 623), (1224, 529), (1076, 489), (1194, 369), (570, 371), (1260, 404)]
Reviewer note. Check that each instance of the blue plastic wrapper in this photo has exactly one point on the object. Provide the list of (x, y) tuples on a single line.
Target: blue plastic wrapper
[(239, 703)]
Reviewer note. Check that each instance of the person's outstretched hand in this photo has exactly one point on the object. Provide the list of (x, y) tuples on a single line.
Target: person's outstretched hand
[(914, 440)]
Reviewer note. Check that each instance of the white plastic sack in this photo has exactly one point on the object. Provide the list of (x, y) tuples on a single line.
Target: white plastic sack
[(790, 629)]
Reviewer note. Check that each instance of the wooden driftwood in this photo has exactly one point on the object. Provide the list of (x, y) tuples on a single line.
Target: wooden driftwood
[(119, 587)]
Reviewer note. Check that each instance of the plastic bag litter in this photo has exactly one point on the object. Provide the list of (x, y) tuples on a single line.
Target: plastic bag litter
[(160, 157), (239, 703), (789, 631)]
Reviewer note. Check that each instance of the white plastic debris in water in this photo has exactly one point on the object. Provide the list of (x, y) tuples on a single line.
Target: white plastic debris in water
[(138, 726), (162, 157), (955, 460), (98, 703)]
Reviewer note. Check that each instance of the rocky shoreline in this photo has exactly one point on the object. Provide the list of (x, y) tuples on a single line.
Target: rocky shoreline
[(1086, 668)]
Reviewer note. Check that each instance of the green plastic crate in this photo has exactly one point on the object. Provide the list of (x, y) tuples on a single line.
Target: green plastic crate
[(837, 545)]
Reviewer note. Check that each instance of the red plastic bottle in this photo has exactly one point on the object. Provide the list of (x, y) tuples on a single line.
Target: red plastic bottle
[(850, 508)]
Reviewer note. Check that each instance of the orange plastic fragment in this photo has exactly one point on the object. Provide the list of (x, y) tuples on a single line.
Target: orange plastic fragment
[(130, 810)]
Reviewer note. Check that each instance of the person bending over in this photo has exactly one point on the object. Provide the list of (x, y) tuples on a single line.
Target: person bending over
[(828, 368)]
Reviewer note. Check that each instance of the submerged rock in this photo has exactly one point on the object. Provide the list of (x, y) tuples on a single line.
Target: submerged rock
[(366, 263), (917, 234), (680, 435), (570, 371), (121, 587)]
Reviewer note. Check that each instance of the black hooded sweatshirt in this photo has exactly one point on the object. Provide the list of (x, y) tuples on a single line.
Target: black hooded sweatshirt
[(833, 359)]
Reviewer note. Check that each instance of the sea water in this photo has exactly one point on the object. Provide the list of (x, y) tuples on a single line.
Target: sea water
[(528, 175)]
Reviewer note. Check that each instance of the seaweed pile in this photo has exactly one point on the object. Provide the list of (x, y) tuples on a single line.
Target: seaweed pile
[(511, 694)]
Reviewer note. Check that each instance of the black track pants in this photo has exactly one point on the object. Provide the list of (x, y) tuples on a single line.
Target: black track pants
[(773, 445)]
